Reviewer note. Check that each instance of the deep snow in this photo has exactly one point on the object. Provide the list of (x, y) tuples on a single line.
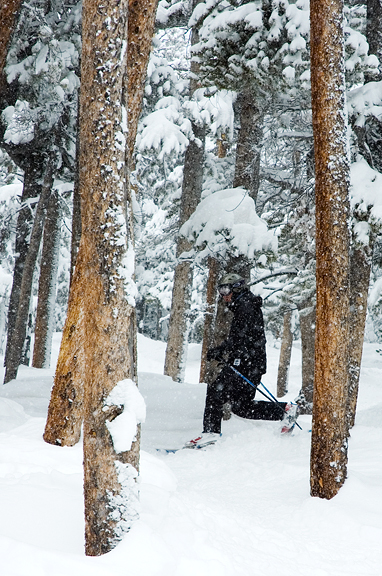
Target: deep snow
[(239, 508)]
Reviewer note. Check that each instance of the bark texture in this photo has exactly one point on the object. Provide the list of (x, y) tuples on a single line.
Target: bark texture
[(374, 33), (285, 355), (181, 294), (76, 210), (308, 332), (140, 33), (108, 325), (247, 165), (329, 432), (9, 10), (65, 412), (47, 285), (360, 268), (31, 189), (209, 317), (17, 338)]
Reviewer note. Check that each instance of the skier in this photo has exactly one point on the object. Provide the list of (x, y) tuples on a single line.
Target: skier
[(242, 353)]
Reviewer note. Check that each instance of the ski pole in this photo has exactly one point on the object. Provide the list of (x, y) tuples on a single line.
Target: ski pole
[(270, 397), (253, 385)]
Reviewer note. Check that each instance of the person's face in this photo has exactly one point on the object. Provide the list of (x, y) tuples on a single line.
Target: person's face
[(225, 291)]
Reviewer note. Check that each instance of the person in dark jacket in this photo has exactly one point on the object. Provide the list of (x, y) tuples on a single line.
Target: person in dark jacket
[(244, 351)]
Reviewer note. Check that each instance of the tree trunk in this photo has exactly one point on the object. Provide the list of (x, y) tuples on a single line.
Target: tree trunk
[(247, 164), (47, 285), (65, 414), (100, 325), (308, 332), (31, 189), (209, 317), (360, 267), (285, 355), (140, 30), (329, 432), (176, 350), (374, 33), (16, 343), (104, 269), (76, 209), (9, 11)]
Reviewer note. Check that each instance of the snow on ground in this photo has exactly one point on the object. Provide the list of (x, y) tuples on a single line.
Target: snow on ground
[(240, 508)]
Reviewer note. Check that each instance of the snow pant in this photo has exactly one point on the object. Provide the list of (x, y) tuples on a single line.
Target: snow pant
[(231, 388)]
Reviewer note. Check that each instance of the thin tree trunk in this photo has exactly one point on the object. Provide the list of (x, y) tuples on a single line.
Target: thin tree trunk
[(247, 165), (31, 189), (209, 317), (76, 210), (361, 256), (285, 355), (360, 268), (176, 349), (13, 359), (177, 340), (308, 331), (47, 285), (141, 30), (329, 431), (374, 33), (360, 260)]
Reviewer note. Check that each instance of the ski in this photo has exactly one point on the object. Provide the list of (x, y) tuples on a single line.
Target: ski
[(174, 450)]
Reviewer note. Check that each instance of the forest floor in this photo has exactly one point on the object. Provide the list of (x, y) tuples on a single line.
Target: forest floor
[(239, 508)]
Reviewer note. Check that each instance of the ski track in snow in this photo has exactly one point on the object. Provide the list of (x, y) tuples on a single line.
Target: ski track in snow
[(241, 507)]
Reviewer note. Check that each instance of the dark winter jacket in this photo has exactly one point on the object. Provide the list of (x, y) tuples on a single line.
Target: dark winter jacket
[(245, 347)]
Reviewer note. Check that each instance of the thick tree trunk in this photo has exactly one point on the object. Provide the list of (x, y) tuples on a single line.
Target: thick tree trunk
[(101, 316), (285, 355), (15, 347), (360, 267), (308, 332), (31, 189), (65, 414), (104, 269), (209, 317), (47, 285), (329, 432)]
